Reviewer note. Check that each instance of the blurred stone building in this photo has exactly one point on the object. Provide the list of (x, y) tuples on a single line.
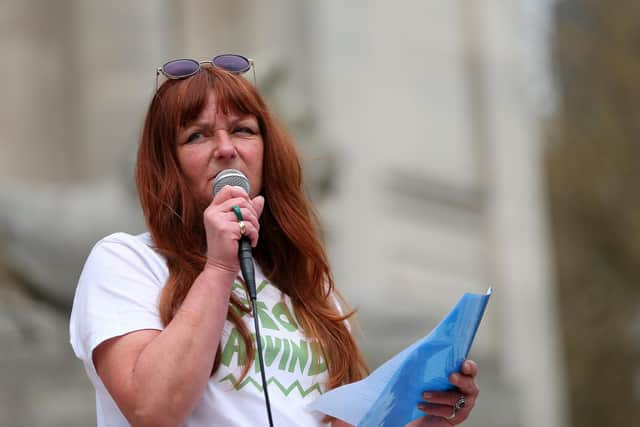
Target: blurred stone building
[(420, 126)]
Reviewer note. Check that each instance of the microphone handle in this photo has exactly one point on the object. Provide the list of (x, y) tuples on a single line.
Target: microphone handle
[(246, 265)]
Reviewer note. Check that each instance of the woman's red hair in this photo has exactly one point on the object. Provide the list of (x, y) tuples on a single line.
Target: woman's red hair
[(289, 251)]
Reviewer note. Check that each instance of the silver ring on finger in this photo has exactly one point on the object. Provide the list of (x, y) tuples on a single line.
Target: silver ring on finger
[(460, 403), (453, 414), (456, 407)]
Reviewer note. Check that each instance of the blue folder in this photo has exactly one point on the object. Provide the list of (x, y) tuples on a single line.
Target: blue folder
[(389, 396)]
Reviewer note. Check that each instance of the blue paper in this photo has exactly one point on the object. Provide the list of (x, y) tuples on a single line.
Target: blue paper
[(388, 397)]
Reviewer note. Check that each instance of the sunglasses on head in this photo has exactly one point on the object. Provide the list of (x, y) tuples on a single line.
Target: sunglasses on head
[(183, 68)]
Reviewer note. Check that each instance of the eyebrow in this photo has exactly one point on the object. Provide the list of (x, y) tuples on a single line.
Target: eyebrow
[(205, 124), (198, 124), (238, 118)]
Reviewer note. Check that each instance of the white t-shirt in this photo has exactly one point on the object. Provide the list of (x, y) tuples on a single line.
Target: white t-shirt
[(118, 293)]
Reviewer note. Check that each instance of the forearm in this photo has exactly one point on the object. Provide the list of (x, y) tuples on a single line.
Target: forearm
[(173, 369)]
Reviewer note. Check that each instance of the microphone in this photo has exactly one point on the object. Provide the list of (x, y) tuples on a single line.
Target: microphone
[(235, 178)]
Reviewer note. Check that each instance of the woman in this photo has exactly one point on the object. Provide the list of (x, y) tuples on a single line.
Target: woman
[(161, 320)]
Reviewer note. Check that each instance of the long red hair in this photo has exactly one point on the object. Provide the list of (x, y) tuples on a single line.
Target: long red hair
[(289, 251)]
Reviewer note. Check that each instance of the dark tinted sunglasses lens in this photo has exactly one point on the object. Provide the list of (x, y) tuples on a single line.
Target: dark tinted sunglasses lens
[(233, 63), (180, 68)]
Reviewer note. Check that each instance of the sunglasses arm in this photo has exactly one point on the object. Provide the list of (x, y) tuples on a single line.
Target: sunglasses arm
[(253, 69)]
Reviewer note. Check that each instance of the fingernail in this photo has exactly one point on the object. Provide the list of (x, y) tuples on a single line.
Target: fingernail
[(422, 406), (427, 395)]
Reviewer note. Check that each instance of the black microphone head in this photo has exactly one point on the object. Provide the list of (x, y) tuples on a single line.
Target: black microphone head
[(232, 177)]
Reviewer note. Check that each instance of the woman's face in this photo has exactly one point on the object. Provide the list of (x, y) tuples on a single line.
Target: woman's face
[(214, 142)]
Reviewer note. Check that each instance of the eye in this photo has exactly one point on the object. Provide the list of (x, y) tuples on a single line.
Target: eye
[(194, 137), (244, 130)]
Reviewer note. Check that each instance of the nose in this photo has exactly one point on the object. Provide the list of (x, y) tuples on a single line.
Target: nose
[(224, 148)]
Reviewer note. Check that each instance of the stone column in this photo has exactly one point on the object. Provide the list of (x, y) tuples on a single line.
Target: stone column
[(39, 133), (514, 47)]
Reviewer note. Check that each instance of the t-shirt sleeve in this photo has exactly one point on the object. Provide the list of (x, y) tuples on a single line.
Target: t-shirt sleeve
[(117, 293)]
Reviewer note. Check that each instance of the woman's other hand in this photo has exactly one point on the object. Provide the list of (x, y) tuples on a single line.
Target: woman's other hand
[(441, 406)]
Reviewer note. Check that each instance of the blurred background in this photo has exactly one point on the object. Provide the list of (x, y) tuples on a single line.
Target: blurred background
[(448, 145)]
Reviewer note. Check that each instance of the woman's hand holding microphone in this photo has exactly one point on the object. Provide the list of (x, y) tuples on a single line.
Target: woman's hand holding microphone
[(223, 227)]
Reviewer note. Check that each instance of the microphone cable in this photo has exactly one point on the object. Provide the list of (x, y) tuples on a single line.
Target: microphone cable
[(251, 285)]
